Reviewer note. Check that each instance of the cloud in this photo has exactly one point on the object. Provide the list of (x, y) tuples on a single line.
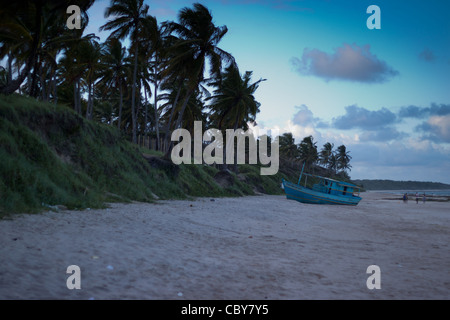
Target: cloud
[(348, 62), (427, 55), (420, 112), (385, 134), (357, 117), (436, 128), (303, 116)]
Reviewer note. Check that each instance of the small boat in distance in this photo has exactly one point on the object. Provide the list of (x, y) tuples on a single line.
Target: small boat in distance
[(325, 191)]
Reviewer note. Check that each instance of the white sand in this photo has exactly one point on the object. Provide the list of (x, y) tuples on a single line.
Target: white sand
[(261, 247)]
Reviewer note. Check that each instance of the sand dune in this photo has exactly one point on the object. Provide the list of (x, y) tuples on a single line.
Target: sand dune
[(260, 247)]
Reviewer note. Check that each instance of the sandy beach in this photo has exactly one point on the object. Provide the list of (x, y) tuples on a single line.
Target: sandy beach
[(259, 247)]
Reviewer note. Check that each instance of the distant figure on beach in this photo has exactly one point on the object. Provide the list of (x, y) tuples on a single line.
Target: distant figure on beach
[(424, 198), (405, 197), (417, 197)]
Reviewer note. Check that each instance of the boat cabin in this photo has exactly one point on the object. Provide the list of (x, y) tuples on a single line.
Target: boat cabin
[(334, 187)]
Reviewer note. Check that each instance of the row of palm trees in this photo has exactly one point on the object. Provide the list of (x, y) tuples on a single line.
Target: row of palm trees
[(336, 161), (160, 82)]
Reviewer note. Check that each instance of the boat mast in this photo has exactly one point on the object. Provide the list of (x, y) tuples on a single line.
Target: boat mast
[(301, 173)]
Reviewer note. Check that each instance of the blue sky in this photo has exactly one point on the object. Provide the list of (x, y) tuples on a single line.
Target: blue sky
[(384, 93)]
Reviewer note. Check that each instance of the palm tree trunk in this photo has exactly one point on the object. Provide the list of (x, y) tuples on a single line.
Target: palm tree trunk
[(88, 109), (33, 91), (120, 103), (146, 116), (43, 84), (55, 89), (232, 144), (9, 79), (75, 104), (133, 96), (156, 109), (180, 119), (78, 97), (172, 112)]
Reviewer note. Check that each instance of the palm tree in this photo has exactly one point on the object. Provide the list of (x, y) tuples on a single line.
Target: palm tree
[(343, 158), (199, 39), (325, 154), (114, 71), (90, 61), (332, 163), (129, 16), (24, 28), (233, 102), (287, 146), (157, 38), (174, 82), (308, 151)]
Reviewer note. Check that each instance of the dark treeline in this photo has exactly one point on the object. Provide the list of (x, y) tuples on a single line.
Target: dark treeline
[(171, 74), (327, 161), (378, 184)]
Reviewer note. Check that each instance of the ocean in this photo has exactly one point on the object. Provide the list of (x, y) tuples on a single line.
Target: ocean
[(442, 192)]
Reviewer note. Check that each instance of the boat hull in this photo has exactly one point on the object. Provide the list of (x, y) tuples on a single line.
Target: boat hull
[(306, 195)]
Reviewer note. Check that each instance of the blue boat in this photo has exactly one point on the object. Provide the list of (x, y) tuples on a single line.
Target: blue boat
[(325, 191)]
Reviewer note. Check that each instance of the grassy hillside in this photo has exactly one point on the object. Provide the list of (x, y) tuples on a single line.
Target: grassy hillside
[(51, 157), (400, 185)]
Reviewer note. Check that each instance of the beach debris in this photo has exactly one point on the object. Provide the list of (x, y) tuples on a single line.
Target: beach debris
[(180, 294), (94, 257), (154, 196), (110, 267), (250, 237), (212, 200), (51, 207)]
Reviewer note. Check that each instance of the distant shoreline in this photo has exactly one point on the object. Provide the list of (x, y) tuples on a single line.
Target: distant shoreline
[(430, 195), (392, 185)]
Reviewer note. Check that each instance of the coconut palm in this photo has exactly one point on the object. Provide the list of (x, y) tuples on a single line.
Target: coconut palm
[(90, 61), (308, 151), (233, 102), (199, 38), (287, 146), (128, 18), (156, 36), (114, 70), (325, 154), (343, 158), (24, 31)]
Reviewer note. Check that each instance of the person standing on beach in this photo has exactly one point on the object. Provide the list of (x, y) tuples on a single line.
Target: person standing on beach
[(424, 198), (417, 197)]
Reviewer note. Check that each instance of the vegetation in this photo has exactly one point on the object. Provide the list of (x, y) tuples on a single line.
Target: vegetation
[(51, 156), (326, 162), (400, 185), (175, 64), (70, 106)]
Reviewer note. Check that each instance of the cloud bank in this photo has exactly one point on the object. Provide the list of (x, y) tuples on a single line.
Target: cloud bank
[(348, 62), (358, 117)]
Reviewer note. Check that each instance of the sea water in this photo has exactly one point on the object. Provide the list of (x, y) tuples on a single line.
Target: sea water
[(441, 192)]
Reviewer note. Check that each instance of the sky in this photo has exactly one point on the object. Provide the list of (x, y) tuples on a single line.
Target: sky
[(383, 93)]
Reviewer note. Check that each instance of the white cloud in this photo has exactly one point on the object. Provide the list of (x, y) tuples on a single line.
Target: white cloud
[(348, 62)]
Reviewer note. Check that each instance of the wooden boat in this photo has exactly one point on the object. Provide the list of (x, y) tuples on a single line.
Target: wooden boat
[(326, 191)]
